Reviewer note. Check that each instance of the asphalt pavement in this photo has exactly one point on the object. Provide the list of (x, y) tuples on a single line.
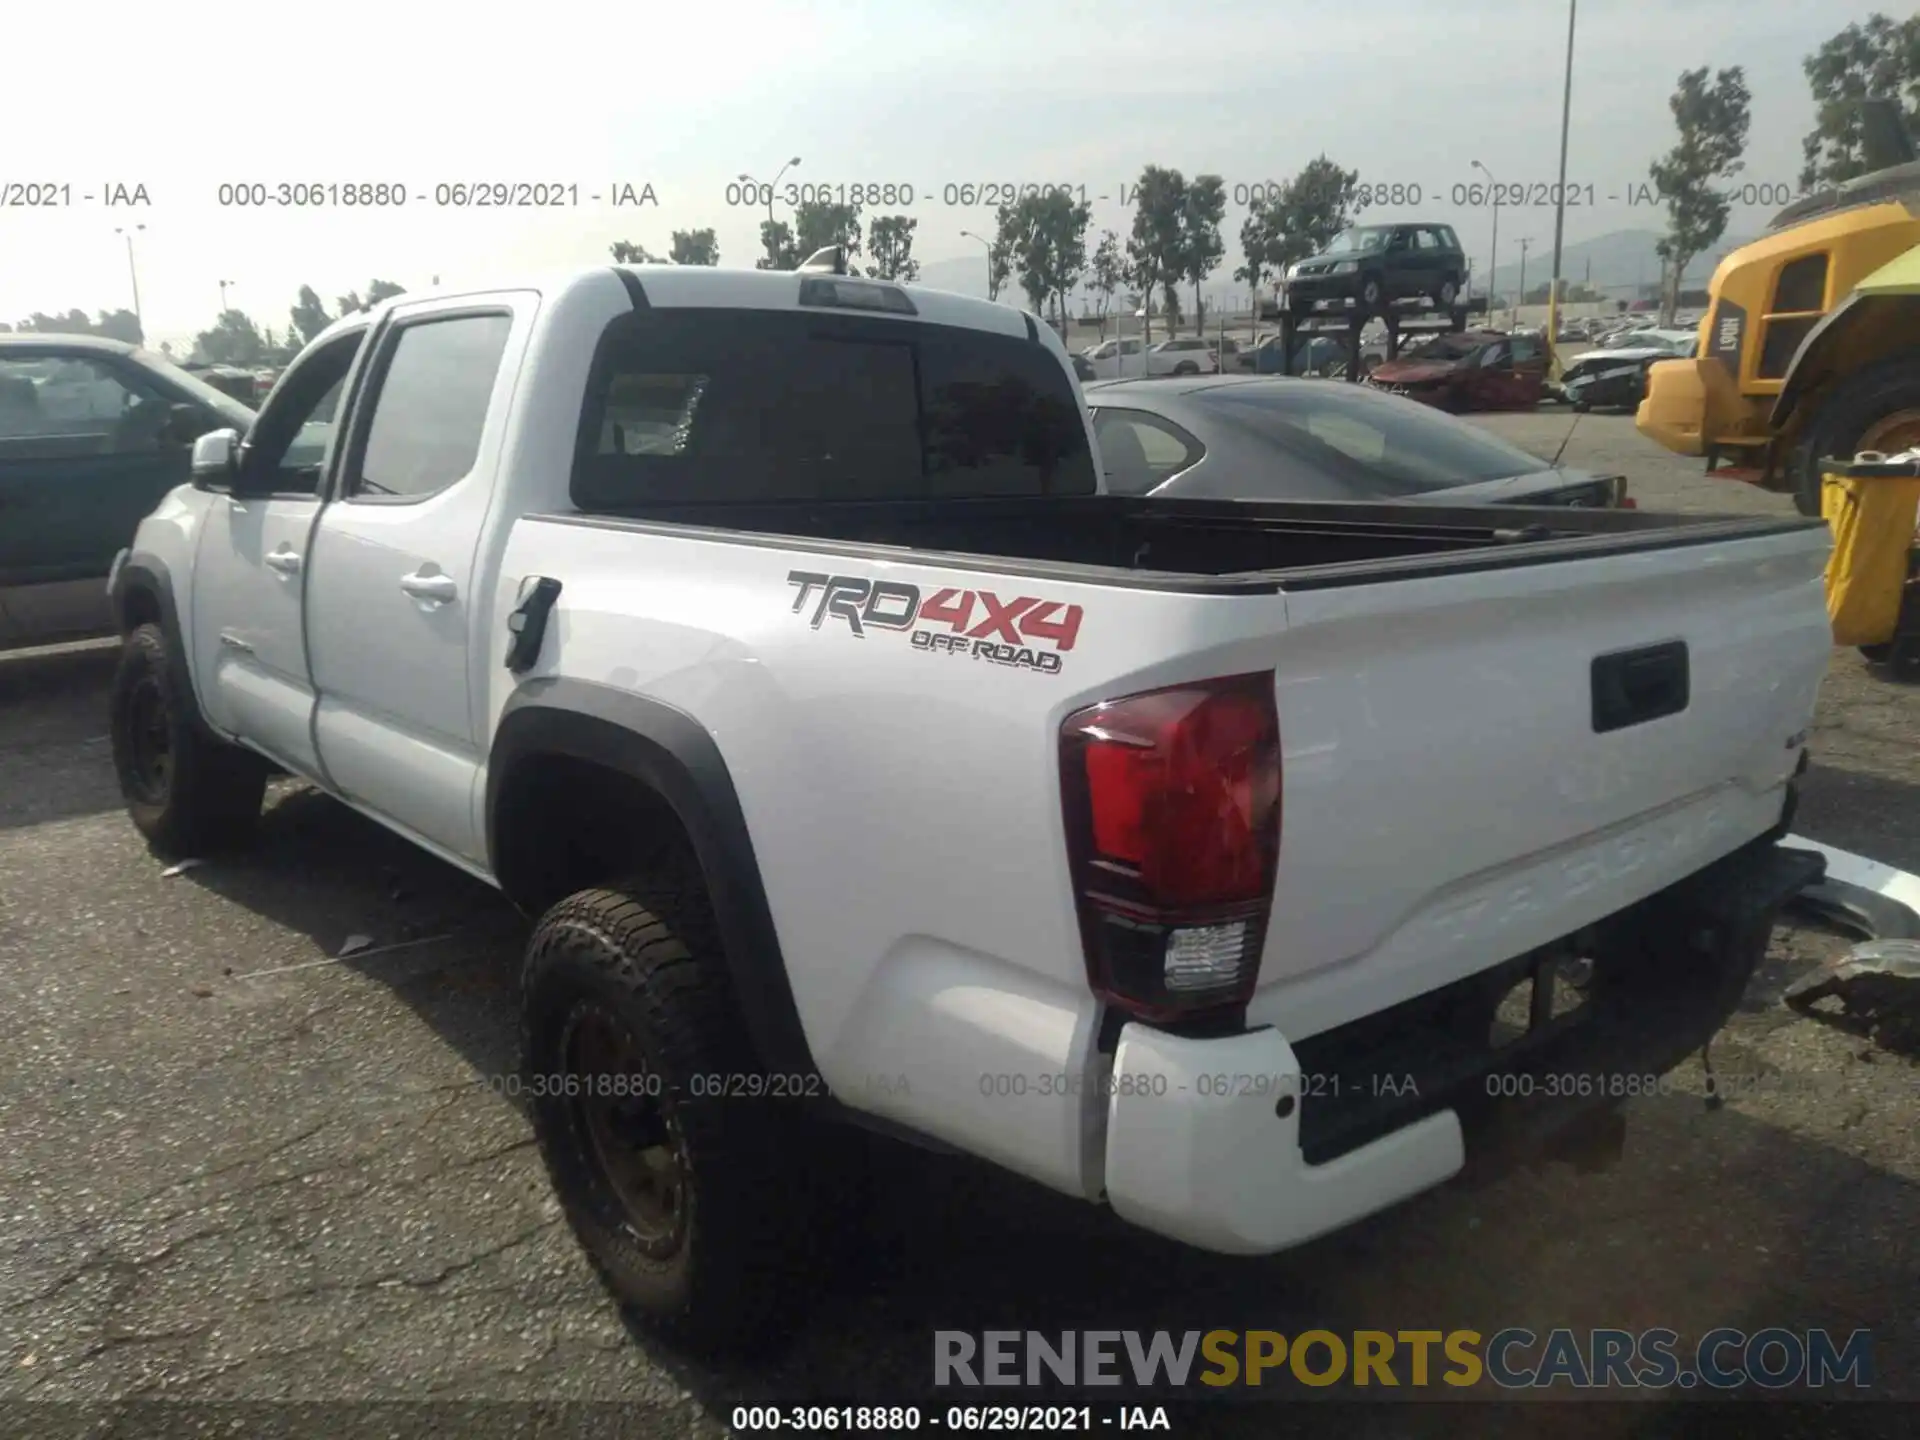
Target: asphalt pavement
[(238, 1169)]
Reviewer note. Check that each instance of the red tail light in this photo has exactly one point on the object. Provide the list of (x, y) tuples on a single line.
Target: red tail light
[(1172, 802)]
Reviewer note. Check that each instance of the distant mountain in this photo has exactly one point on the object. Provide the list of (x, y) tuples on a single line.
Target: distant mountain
[(1615, 263)]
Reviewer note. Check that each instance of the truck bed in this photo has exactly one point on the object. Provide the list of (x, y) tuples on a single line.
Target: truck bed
[(1200, 546)]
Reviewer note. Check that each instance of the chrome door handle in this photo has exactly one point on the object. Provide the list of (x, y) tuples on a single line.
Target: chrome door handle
[(435, 588), (287, 562)]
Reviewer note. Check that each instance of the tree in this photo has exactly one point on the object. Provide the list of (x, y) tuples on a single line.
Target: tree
[(694, 247), (1000, 252), (1044, 238), (1156, 247), (379, 290), (120, 325), (1316, 205), (1712, 118), (1258, 235), (1059, 249), (891, 239), (309, 315), (1109, 273), (820, 223), (1876, 60), (74, 322), (776, 240), (1201, 247), (233, 340), (625, 252)]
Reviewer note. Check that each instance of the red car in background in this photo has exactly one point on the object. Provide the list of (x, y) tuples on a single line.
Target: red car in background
[(1472, 370)]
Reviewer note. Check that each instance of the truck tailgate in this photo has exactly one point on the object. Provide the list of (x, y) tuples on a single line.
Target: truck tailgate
[(1454, 794)]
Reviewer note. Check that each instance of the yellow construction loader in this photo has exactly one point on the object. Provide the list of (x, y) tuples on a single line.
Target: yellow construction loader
[(1810, 347)]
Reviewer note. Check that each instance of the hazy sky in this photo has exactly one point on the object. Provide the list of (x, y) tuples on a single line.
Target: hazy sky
[(924, 93)]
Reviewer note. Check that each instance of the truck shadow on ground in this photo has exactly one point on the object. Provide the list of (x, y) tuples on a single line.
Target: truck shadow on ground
[(1709, 1218)]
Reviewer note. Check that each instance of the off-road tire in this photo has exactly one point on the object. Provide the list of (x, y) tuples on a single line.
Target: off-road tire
[(644, 956), (204, 794), (1846, 414), (1449, 294)]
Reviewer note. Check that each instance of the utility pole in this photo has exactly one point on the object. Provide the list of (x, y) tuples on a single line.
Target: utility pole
[(989, 247), (133, 272), (772, 184), (1493, 258), (1521, 298), (1560, 203), (223, 295)]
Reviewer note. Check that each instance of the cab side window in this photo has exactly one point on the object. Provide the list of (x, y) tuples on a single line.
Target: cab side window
[(429, 406), (288, 445)]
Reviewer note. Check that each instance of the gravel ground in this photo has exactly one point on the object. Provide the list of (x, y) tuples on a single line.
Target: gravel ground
[(233, 1171)]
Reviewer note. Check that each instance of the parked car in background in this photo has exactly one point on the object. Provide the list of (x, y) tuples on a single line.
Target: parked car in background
[(1324, 355), (92, 433), (1083, 368), (1471, 370), (1374, 265), (1112, 359), (231, 380), (1250, 438), (1616, 375), (1184, 355)]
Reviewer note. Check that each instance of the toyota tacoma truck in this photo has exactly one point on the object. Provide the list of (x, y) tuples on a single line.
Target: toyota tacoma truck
[(771, 641)]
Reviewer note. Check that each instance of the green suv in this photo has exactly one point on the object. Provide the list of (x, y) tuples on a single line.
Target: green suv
[(1370, 267)]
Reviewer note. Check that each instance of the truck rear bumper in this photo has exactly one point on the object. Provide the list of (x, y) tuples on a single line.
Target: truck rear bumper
[(1248, 1144)]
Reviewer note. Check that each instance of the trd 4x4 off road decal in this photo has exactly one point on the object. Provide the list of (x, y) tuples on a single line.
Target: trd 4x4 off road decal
[(1026, 631)]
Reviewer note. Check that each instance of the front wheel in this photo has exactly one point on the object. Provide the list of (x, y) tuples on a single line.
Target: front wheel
[(1371, 292), (1449, 292), (1186, 367), (682, 1178), (187, 791)]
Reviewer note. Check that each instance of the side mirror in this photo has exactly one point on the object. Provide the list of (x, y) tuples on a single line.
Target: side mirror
[(216, 460)]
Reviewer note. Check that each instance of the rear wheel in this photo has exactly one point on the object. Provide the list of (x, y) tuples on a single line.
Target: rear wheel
[(1186, 367), (1877, 409), (187, 791), (686, 1186)]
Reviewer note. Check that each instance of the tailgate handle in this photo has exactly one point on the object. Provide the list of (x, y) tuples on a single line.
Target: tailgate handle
[(1632, 687)]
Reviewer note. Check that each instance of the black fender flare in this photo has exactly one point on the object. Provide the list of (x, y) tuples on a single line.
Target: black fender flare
[(672, 754), (143, 573)]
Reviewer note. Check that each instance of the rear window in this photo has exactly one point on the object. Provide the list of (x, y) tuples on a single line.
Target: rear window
[(714, 406), (1378, 446)]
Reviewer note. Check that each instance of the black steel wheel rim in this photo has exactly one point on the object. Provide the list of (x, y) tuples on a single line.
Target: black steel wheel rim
[(149, 742), (628, 1138)]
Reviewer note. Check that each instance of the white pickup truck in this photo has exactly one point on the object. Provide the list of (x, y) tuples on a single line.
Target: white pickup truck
[(769, 638)]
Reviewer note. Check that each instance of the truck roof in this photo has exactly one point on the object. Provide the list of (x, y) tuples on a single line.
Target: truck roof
[(685, 286)]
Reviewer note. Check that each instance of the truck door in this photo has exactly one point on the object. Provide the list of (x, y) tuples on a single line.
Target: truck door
[(249, 642), (392, 613)]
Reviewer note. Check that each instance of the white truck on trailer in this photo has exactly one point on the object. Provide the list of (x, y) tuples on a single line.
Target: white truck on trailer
[(769, 638)]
